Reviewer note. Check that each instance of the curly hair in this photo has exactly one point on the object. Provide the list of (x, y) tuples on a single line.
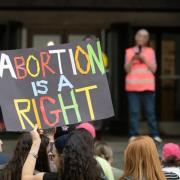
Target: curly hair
[(78, 162), (15, 165)]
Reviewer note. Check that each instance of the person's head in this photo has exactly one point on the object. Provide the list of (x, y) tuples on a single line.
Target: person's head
[(141, 160), (14, 167), (142, 37), (89, 38), (88, 127), (60, 144), (171, 155), (42, 163), (103, 150), (78, 161)]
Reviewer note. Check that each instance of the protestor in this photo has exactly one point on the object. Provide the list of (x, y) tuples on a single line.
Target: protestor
[(171, 161), (87, 131), (103, 150), (141, 160), (14, 167), (79, 162), (23, 146), (140, 66), (75, 163), (50, 133)]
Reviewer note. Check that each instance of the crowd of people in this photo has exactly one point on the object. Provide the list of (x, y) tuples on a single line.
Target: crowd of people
[(77, 155)]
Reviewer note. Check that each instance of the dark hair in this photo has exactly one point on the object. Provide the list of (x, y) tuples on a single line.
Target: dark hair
[(42, 163), (78, 161), (89, 37), (171, 161), (14, 168), (60, 143), (86, 136)]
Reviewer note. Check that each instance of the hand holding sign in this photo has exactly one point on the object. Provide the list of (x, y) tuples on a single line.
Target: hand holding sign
[(54, 86)]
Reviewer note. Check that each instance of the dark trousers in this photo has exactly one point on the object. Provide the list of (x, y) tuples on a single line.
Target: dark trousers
[(147, 99)]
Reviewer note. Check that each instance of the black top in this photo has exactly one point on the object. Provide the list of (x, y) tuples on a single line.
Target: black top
[(171, 176), (50, 176)]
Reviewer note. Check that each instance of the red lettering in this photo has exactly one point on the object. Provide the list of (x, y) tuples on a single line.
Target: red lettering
[(21, 71), (55, 112), (45, 62)]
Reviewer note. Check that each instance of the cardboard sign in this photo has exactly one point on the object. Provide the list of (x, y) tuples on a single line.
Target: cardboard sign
[(53, 86)]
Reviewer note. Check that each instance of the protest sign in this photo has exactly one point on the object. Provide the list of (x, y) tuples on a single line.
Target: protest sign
[(53, 86)]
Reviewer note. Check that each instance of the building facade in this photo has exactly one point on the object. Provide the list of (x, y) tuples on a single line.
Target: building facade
[(35, 23)]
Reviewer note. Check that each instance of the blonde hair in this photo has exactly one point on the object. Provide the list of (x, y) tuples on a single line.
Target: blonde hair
[(142, 161)]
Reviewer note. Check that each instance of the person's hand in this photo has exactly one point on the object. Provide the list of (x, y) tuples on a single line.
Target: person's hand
[(141, 57), (35, 135), (50, 133), (135, 57)]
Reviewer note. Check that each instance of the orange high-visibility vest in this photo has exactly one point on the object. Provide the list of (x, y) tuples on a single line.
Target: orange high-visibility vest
[(140, 78)]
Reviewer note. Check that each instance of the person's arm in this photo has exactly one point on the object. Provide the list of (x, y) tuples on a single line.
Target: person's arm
[(151, 66), (129, 63), (29, 165)]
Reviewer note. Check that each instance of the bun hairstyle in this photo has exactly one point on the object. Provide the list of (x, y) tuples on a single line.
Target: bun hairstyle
[(102, 150)]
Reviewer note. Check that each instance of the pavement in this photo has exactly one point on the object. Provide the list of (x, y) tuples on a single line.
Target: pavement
[(118, 144)]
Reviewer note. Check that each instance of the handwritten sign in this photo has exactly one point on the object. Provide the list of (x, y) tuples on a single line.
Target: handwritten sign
[(53, 86)]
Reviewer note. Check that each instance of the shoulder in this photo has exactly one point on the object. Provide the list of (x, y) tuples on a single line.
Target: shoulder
[(101, 161), (175, 170), (150, 49), (131, 49), (50, 176), (171, 175)]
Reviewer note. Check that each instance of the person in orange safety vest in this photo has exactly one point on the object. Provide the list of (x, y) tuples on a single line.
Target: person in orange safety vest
[(140, 67)]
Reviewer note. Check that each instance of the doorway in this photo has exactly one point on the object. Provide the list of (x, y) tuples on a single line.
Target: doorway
[(166, 42)]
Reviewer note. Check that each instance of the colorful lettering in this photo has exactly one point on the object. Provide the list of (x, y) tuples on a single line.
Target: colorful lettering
[(64, 82), (32, 57), (45, 62), (20, 67), (5, 63), (88, 97), (93, 58), (55, 112), (39, 84), (74, 106), (22, 112), (88, 65), (58, 52)]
